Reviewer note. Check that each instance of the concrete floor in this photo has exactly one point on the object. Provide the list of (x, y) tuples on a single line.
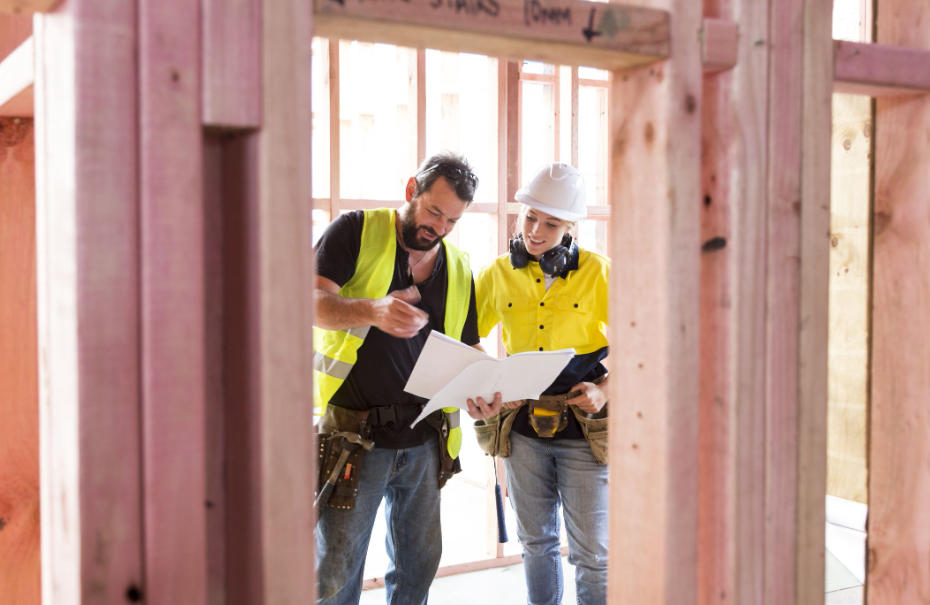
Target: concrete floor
[(464, 540)]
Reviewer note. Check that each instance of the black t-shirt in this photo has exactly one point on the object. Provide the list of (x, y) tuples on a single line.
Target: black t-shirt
[(385, 362)]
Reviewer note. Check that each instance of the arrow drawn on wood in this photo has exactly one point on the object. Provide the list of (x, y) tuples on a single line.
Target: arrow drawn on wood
[(589, 32)]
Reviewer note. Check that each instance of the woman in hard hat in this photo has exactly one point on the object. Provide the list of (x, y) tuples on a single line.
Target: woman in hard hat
[(548, 294)]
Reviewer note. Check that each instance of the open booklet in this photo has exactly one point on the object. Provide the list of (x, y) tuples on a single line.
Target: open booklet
[(449, 372)]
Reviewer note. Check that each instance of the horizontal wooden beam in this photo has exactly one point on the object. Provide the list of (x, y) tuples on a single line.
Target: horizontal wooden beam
[(567, 32), (25, 7), (593, 83), (490, 208), (17, 75), (879, 70)]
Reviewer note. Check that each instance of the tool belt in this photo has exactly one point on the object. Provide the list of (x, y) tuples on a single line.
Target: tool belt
[(547, 415), (342, 436), (386, 414)]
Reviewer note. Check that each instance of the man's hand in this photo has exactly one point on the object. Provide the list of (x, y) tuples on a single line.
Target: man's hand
[(481, 410), (395, 314), (512, 405), (592, 398)]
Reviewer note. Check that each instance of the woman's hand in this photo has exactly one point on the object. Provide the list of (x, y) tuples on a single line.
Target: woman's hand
[(479, 409), (592, 398)]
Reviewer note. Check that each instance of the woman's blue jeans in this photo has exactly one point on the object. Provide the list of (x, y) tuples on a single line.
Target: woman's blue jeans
[(409, 481), (541, 475)]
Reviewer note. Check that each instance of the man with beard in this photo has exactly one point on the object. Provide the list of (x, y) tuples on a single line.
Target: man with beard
[(385, 279)]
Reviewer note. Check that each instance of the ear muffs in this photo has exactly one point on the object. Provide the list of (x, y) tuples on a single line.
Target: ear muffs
[(553, 262), (519, 257)]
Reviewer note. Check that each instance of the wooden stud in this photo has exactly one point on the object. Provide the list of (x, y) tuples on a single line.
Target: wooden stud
[(575, 84), (556, 88), (880, 70), (172, 302), (17, 75), (798, 263), (88, 302), (506, 110), (610, 36), (514, 127), (655, 122), (284, 314), (20, 576), (899, 436), (733, 301), (231, 54), (335, 132), (421, 105)]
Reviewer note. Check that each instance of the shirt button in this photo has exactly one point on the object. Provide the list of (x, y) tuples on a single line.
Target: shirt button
[(540, 348), (576, 305), (511, 304), (542, 304), (537, 281), (540, 327)]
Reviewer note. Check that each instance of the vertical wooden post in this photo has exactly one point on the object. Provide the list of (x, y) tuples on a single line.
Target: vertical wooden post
[(655, 164), (574, 134), (899, 486), (800, 85), (513, 132), (88, 302), (335, 131), (733, 300), (172, 302), (285, 305), (20, 579), (421, 105)]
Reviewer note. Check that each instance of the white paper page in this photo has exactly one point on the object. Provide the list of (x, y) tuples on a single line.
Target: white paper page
[(520, 376), (441, 360)]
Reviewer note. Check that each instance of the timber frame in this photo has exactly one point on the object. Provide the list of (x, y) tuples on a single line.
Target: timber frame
[(172, 250)]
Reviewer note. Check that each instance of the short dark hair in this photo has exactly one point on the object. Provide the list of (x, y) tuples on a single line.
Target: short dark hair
[(454, 168)]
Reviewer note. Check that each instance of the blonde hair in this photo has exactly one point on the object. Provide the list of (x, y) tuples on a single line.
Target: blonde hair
[(515, 228)]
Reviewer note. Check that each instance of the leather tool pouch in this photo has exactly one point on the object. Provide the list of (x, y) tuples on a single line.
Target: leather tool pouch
[(341, 420), (494, 433), (448, 466), (595, 432), (488, 433), (548, 415)]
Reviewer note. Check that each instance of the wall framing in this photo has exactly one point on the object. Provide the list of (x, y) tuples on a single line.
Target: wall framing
[(108, 278)]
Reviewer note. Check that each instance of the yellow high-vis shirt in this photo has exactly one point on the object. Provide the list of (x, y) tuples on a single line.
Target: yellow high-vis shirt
[(571, 314)]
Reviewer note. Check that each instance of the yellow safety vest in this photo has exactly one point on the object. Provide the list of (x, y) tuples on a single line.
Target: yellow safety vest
[(336, 351)]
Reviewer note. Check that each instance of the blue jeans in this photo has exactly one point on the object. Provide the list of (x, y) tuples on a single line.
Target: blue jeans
[(541, 475), (409, 480)]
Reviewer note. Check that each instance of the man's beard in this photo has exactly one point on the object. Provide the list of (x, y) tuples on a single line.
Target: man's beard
[(410, 232)]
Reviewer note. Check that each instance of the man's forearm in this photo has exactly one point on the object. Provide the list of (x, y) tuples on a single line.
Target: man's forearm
[(334, 312)]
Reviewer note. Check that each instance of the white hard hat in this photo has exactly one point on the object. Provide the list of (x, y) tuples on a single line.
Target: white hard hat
[(557, 189)]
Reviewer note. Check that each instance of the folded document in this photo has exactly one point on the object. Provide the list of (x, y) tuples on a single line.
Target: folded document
[(449, 372)]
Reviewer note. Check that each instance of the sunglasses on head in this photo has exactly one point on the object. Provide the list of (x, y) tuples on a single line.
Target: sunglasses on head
[(453, 173)]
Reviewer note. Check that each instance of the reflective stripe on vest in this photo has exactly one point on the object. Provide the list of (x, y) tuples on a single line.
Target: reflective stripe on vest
[(336, 351)]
